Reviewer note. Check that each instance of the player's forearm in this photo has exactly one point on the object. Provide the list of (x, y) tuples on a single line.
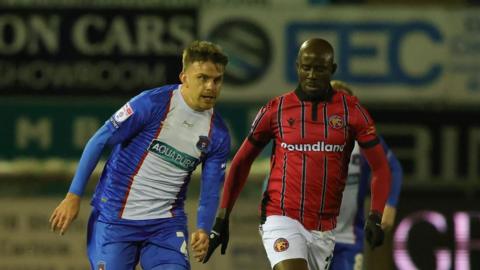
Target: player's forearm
[(206, 212), (90, 157), (237, 175), (381, 177), (397, 178), (72, 196), (388, 218)]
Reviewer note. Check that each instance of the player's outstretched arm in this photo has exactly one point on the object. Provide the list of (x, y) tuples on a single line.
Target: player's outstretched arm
[(390, 211), (380, 187), (65, 213), (237, 176)]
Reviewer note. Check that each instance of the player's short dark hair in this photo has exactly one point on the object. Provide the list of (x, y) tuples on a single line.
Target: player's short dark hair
[(202, 51)]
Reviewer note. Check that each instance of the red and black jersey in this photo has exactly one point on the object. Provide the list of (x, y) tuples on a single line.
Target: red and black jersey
[(312, 143)]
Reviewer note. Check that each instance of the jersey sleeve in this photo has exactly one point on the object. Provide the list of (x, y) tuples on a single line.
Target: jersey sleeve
[(364, 127), (259, 136), (261, 129), (381, 177), (213, 176), (89, 159), (366, 136), (130, 118), (126, 122), (396, 171)]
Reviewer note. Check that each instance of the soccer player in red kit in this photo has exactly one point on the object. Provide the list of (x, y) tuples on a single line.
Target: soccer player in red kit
[(313, 129)]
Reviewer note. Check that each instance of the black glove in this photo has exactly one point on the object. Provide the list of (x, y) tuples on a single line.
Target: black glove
[(373, 230), (218, 236)]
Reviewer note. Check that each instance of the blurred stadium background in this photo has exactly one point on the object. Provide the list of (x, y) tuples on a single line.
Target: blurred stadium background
[(67, 65)]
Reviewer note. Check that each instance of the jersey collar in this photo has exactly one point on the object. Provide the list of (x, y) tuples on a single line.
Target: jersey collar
[(321, 96)]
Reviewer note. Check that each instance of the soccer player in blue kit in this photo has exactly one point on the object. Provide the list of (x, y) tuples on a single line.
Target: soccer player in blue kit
[(349, 233), (158, 138)]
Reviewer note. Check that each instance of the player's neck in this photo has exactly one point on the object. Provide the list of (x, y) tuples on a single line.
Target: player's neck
[(317, 96)]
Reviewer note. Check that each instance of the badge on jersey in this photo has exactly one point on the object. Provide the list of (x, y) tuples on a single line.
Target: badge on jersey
[(336, 121), (121, 115), (281, 244), (203, 143)]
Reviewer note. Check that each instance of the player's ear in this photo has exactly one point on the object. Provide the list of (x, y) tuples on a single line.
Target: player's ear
[(182, 77), (297, 67), (334, 68)]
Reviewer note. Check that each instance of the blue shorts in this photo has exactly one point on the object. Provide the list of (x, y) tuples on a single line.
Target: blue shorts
[(347, 257), (122, 247)]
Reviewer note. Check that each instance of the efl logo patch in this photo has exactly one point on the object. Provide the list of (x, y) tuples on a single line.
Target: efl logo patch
[(123, 114), (336, 122), (203, 143), (101, 266), (257, 118), (371, 130), (281, 244)]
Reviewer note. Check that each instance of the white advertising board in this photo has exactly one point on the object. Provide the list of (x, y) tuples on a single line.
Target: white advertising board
[(389, 55)]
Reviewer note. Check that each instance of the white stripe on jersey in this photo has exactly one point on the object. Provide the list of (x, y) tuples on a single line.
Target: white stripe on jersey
[(345, 221), (165, 168)]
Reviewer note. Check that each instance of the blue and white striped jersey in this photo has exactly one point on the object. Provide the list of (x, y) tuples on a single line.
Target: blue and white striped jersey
[(158, 141)]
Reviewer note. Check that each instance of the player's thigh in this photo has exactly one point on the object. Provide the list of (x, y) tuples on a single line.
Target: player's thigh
[(292, 264), (108, 251), (342, 261), (166, 248), (347, 257), (321, 248), (169, 267), (283, 241), (91, 239)]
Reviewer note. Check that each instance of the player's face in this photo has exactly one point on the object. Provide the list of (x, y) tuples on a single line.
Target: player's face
[(201, 84), (314, 70)]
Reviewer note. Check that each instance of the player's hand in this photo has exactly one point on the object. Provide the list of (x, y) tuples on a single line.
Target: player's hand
[(199, 244), (65, 213), (373, 230), (388, 218), (218, 236)]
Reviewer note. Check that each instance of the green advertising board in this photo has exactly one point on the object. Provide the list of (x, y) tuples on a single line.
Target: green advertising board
[(59, 128)]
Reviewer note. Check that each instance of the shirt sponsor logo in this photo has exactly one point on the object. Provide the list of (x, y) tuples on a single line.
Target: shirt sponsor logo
[(320, 146), (173, 156)]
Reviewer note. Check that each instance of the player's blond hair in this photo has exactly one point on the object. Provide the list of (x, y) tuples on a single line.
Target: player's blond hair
[(202, 51), (342, 86)]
